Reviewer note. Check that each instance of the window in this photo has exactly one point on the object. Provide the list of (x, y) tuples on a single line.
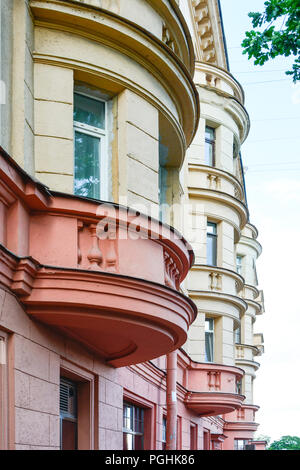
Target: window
[(206, 440), (209, 340), (90, 136), (133, 427), (239, 387), (68, 415), (162, 188), (193, 437), (164, 434), (210, 146), (211, 244), (239, 260), (238, 338), (240, 444)]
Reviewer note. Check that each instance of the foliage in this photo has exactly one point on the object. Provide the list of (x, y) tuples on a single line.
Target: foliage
[(286, 443), (263, 438), (279, 39)]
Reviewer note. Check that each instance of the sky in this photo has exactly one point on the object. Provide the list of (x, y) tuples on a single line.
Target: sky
[(271, 156)]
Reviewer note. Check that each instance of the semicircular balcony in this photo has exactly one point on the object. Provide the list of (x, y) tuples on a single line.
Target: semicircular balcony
[(217, 78), (221, 206), (204, 176), (216, 84), (242, 419), (97, 272), (213, 389), (244, 357), (217, 291)]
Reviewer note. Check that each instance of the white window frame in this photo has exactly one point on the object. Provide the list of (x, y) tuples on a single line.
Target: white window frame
[(207, 319), (239, 266), (102, 135), (214, 236)]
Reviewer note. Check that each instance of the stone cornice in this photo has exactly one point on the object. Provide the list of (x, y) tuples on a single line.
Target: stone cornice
[(210, 47), (222, 198)]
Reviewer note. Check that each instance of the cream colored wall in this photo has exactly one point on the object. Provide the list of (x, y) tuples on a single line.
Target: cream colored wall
[(22, 135), (6, 22), (42, 132), (53, 93), (221, 179), (138, 152), (249, 249)]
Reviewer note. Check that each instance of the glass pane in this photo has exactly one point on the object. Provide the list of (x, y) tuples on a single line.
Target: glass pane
[(87, 165), (211, 247), (69, 435), (209, 324), (128, 441), (209, 154), (139, 443), (209, 133), (89, 111), (128, 417), (238, 335), (211, 228), (209, 346)]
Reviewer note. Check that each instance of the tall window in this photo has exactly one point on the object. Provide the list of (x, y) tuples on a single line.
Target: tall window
[(211, 244), (68, 415), (210, 137), (238, 338), (239, 260), (239, 387), (209, 340), (133, 427), (90, 146), (193, 436)]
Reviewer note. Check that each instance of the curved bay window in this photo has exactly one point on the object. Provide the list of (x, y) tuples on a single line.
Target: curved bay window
[(210, 139), (133, 427), (90, 142), (209, 340), (211, 244)]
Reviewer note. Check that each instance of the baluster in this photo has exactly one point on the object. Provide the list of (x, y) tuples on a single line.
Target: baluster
[(95, 255)]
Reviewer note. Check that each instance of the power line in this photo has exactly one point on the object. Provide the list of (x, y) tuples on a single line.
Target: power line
[(275, 119), (274, 164), (260, 71), (268, 140), (271, 171), (267, 81)]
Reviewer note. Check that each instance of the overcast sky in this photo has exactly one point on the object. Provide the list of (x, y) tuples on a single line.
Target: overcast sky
[(271, 156)]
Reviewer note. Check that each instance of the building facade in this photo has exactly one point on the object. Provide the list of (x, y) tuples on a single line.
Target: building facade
[(128, 288)]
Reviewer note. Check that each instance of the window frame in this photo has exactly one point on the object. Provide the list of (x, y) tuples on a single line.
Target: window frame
[(211, 142), (213, 236), (64, 416), (133, 432), (238, 335), (102, 135), (239, 265), (87, 403), (212, 333)]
